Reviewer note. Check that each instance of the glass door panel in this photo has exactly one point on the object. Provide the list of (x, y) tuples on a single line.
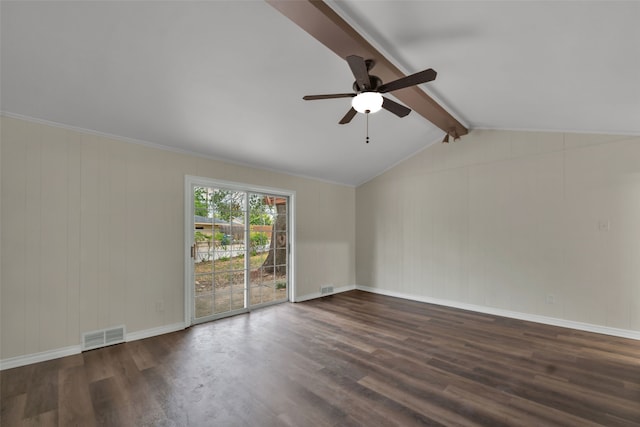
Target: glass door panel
[(269, 267), (219, 234), (203, 252)]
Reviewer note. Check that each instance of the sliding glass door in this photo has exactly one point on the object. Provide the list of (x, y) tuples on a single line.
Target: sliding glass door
[(239, 250)]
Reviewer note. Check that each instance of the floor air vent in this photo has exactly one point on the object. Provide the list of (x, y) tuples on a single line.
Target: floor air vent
[(103, 337)]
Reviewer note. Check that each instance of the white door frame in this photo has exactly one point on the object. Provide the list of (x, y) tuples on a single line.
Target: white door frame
[(189, 182)]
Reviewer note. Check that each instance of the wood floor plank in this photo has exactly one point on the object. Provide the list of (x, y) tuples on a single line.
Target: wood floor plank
[(74, 400), (109, 407), (421, 402), (142, 357), (42, 389), (49, 419), (12, 409), (15, 381), (144, 409), (350, 359), (98, 365), (169, 399), (508, 409)]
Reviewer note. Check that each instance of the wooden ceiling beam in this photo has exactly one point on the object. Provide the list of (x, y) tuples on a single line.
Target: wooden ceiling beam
[(326, 26)]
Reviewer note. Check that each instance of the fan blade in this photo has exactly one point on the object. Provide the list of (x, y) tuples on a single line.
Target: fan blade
[(334, 95), (359, 70), (412, 80), (347, 117), (397, 109)]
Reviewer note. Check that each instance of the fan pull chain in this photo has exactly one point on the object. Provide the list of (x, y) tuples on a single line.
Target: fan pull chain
[(367, 140)]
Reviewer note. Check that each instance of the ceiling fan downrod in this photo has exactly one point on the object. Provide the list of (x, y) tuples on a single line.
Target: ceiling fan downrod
[(367, 114)]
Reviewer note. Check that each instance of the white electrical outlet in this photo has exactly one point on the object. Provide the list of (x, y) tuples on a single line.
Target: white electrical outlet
[(159, 306), (551, 299)]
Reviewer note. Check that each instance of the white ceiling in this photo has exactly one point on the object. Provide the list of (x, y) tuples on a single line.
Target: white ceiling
[(225, 79)]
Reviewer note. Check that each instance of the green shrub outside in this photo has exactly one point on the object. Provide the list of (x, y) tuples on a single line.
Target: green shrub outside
[(257, 238)]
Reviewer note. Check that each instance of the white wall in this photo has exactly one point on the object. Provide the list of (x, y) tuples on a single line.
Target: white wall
[(506, 219), (93, 234), (498, 219)]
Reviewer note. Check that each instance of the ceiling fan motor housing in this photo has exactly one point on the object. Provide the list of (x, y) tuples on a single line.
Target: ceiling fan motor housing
[(375, 83)]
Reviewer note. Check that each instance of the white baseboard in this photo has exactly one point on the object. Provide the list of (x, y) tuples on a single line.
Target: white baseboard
[(319, 295), (15, 362), (587, 327), (148, 333)]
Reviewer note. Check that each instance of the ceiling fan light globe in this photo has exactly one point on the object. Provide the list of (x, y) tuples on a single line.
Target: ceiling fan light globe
[(367, 102)]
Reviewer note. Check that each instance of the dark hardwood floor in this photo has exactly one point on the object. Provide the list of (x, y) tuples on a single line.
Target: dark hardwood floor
[(350, 359)]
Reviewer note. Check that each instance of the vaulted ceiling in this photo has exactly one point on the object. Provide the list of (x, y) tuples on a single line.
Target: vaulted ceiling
[(225, 79)]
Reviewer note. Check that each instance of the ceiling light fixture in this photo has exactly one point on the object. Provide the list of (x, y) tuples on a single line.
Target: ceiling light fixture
[(367, 102)]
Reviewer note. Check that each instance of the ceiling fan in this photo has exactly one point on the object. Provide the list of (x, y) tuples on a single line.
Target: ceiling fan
[(369, 89)]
